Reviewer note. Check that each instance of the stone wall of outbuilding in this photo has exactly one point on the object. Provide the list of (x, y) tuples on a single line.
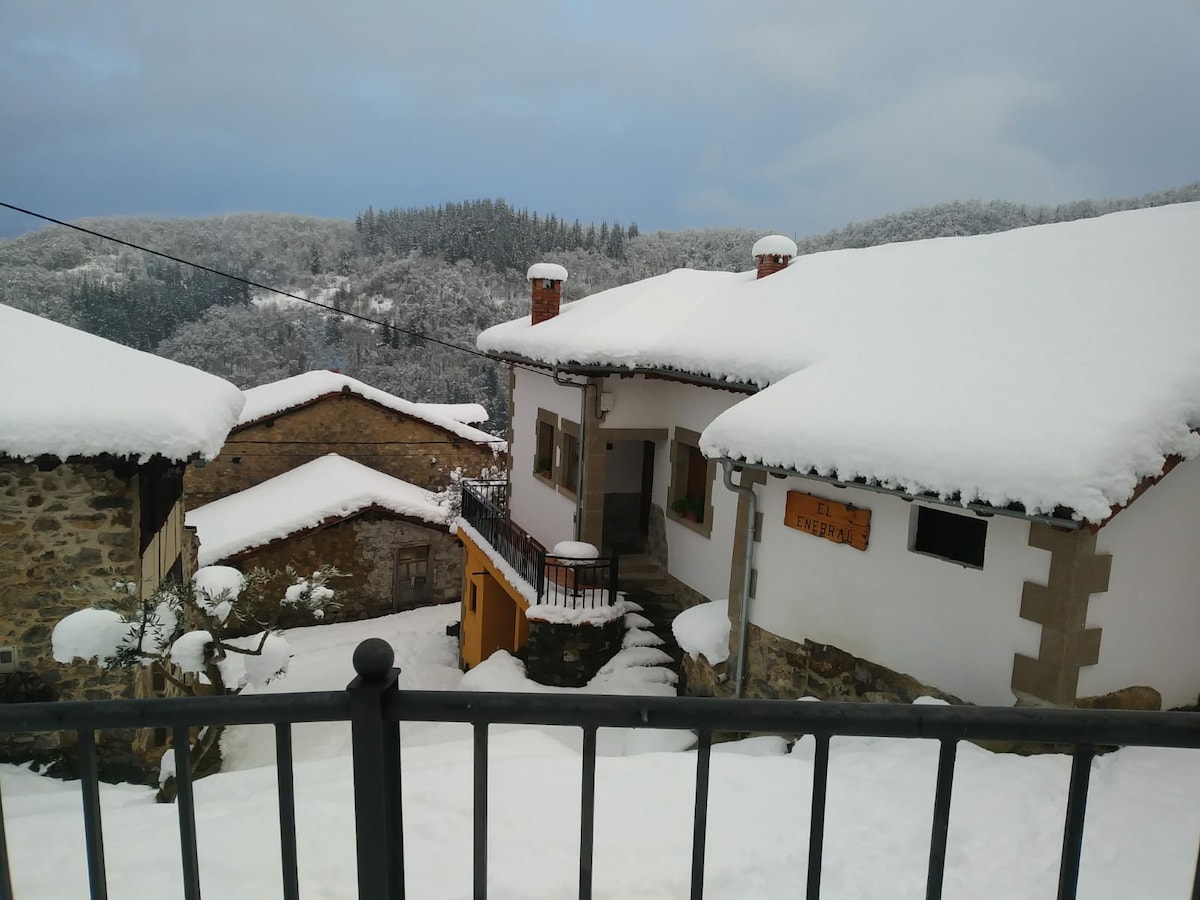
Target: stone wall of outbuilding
[(401, 446), (364, 547)]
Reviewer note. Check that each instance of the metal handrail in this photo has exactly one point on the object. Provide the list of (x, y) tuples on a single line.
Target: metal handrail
[(589, 583), (374, 706)]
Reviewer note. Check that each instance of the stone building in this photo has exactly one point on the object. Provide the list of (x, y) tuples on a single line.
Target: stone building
[(94, 441), (391, 538), (288, 423), (963, 463)]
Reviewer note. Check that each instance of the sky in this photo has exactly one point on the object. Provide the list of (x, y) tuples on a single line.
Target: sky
[(794, 116)]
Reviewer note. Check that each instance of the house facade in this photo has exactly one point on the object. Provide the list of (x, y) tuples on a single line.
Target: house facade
[(92, 461), (288, 423), (389, 537), (885, 452)]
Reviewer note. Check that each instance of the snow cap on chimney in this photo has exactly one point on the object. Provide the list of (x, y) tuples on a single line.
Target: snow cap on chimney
[(773, 253), (547, 280)]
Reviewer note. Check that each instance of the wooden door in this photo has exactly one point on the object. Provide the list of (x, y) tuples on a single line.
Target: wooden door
[(411, 584)]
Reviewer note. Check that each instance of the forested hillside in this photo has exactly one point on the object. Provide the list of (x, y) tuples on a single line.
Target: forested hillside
[(446, 272)]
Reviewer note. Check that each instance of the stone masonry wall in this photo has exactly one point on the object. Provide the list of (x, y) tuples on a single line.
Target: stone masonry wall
[(781, 669), (65, 536), (566, 655), (403, 447), (364, 547)]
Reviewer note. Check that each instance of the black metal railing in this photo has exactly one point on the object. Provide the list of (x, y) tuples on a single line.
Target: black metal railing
[(584, 583), (375, 707), (580, 583), (494, 492)]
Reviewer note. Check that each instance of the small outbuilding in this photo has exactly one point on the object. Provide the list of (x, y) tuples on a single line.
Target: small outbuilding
[(390, 537)]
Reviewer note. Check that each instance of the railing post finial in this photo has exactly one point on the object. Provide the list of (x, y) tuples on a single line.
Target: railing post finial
[(373, 659)]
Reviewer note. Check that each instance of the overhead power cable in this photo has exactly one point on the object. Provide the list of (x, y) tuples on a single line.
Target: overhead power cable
[(255, 284)]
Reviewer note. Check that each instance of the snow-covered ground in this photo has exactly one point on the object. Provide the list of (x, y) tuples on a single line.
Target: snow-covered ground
[(1005, 830)]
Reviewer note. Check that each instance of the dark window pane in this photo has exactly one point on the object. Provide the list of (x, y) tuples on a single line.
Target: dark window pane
[(951, 536)]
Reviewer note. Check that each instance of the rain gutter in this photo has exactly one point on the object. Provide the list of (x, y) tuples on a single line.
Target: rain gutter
[(747, 491)]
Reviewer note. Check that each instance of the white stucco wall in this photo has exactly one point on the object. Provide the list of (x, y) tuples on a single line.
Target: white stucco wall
[(700, 562), (1150, 614), (953, 627), (537, 507), (623, 468)]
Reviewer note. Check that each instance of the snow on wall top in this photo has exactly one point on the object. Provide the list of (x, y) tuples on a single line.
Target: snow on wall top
[(66, 393), (467, 413), (271, 399), (331, 486), (553, 271), (774, 245), (1052, 365)]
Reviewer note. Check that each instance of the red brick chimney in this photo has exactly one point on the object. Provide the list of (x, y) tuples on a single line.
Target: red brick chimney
[(547, 280), (773, 253)]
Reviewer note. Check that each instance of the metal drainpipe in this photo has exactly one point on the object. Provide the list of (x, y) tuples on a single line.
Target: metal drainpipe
[(583, 389), (739, 684)]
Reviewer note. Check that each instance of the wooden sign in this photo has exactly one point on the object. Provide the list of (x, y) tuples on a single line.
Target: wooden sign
[(837, 522)]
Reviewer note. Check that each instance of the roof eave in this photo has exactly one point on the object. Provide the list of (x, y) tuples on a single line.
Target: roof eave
[(330, 521), (350, 392), (980, 509), (592, 370)]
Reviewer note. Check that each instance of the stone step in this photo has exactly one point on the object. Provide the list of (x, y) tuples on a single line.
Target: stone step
[(661, 607)]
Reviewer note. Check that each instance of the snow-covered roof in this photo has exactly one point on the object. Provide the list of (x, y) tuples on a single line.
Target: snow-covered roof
[(553, 271), (66, 393), (774, 245), (302, 498), (272, 399), (1049, 366)]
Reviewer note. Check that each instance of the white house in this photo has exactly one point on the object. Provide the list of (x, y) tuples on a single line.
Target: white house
[(957, 427)]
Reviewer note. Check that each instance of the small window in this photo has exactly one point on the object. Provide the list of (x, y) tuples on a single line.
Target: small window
[(543, 461), (697, 483), (690, 492), (472, 596), (545, 435), (568, 466), (950, 536)]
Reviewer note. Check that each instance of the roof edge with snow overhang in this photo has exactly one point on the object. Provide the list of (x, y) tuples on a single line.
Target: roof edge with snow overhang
[(1062, 517), (322, 492), (278, 398), (600, 370), (74, 395)]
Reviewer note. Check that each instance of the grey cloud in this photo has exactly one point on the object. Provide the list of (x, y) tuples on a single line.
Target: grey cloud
[(797, 116)]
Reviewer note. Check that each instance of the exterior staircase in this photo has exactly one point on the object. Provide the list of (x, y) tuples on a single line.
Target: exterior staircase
[(644, 581)]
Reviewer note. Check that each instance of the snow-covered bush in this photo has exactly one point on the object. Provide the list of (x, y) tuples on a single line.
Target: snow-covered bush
[(194, 633)]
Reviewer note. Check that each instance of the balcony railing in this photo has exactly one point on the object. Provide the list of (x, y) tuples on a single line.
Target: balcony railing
[(375, 707), (580, 584)]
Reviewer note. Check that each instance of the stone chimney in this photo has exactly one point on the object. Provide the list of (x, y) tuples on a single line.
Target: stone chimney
[(773, 253), (547, 280)]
